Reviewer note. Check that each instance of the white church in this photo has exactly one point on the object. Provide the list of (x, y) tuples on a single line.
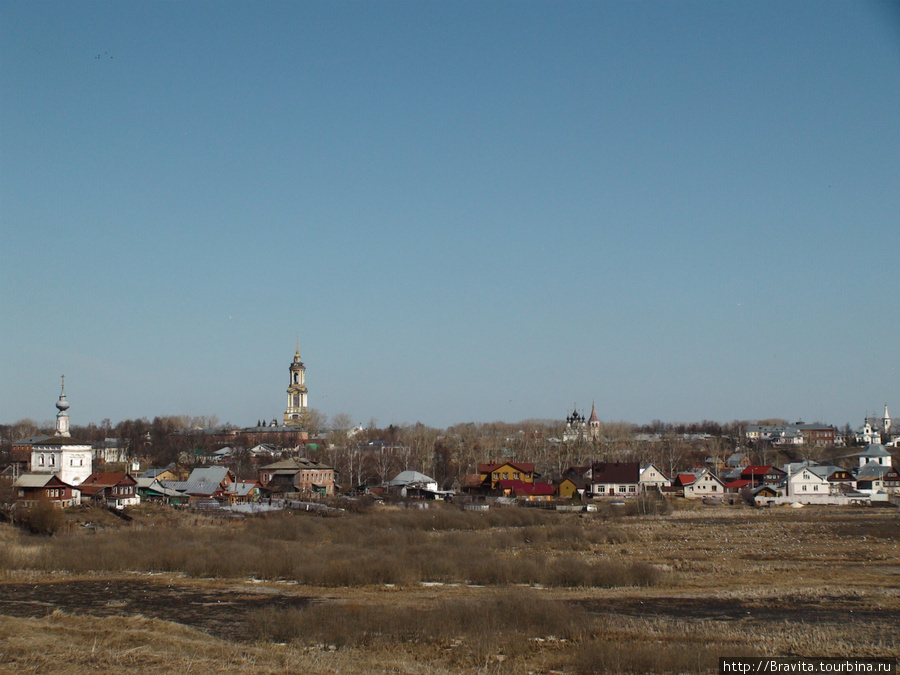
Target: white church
[(60, 454)]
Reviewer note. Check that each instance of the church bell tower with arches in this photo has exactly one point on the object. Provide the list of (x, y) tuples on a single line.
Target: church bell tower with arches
[(295, 413)]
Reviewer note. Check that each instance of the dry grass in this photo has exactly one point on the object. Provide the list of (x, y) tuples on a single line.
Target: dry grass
[(773, 582), (510, 546)]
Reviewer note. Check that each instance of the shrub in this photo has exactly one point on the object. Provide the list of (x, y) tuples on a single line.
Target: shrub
[(43, 518)]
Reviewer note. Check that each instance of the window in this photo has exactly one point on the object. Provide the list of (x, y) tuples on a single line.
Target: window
[(516, 475), (41, 460), (52, 460), (496, 475), (506, 475), (631, 488)]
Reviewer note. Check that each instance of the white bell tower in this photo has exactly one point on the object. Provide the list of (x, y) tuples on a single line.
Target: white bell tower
[(295, 413)]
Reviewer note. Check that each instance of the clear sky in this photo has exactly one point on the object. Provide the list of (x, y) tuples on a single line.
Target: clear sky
[(465, 211)]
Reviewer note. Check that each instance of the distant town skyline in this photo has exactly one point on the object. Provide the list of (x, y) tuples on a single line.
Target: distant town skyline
[(467, 211)]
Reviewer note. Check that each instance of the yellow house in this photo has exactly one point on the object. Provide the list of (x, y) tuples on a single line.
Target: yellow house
[(571, 486), (492, 474)]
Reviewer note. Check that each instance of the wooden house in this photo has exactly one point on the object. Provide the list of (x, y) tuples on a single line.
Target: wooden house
[(32, 488), (114, 489)]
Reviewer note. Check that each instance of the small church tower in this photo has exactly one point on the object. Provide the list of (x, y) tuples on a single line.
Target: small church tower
[(594, 423), (295, 414), (62, 417)]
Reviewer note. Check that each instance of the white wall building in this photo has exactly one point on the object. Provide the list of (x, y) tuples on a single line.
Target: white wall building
[(60, 454)]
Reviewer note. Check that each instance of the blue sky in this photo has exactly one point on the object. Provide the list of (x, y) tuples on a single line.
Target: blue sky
[(466, 211)]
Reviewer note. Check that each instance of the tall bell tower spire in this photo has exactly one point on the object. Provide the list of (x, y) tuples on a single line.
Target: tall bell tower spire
[(295, 413)]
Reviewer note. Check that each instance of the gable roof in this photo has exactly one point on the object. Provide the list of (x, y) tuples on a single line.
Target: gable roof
[(108, 479), (615, 472), (760, 471), (38, 480), (210, 474), (408, 477), (651, 465), (874, 450), (872, 471), (524, 467), (577, 481), (296, 464)]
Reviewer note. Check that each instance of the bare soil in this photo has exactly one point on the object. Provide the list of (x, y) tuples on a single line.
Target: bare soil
[(217, 611)]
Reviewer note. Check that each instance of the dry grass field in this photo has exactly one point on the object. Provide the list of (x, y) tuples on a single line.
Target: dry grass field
[(443, 590)]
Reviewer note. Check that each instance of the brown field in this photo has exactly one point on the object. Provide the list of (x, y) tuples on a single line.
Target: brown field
[(442, 590)]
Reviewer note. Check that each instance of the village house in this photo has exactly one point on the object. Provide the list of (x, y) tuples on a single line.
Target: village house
[(572, 487), (763, 475), (704, 485), (297, 476), (619, 479), (490, 475), (653, 478), (151, 490), (33, 488), (115, 489), (243, 492), (819, 480), (892, 481), (875, 454), (169, 472), (527, 491)]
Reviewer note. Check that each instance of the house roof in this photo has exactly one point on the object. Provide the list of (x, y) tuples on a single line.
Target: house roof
[(738, 484), (577, 481), (153, 472), (872, 471), (875, 450), (408, 477), (154, 485), (660, 471), (102, 479), (759, 471), (38, 480), (296, 465), (615, 472), (685, 479), (525, 467), (210, 474), (242, 488), (735, 459), (192, 487), (59, 441), (31, 440)]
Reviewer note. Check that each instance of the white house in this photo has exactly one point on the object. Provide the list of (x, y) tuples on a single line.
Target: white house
[(705, 484), (652, 477), (820, 480), (876, 453)]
